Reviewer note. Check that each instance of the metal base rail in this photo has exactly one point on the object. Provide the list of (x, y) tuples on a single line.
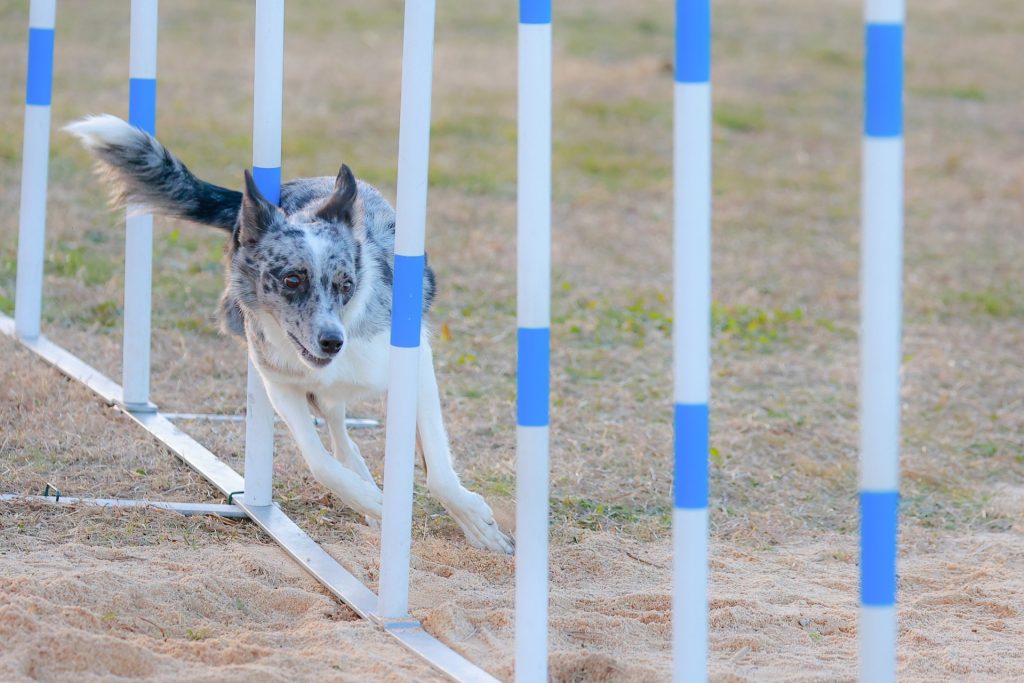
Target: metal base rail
[(351, 423), (270, 518), (219, 509)]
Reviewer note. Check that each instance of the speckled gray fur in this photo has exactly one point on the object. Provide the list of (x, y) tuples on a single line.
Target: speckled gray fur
[(308, 286)]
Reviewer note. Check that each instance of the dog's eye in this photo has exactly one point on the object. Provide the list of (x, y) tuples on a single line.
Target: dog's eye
[(292, 280), (346, 287)]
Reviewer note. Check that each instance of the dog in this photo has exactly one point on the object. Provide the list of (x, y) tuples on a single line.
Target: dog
[(308, 287)]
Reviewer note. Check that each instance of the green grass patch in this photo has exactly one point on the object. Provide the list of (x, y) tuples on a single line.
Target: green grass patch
[(967, 93), (472, 181), (197, 634), (1000, 302), (81, 263), (474, 128), (739, 118), (503, 485), (474, 153), (612, 163), (104, 314), (834, 57), (634, 109), (751, 327), (196, 324), (952, 508), (596, 323), (612, 38), (601, 323), (983, 449), (585, 513), (581, 374)]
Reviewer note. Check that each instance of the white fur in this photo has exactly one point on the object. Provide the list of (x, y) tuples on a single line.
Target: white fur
[(357, 372), (361, 371), (103, 130)]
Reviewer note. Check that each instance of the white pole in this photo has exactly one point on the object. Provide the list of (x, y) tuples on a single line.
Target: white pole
[(407, 307), (691, 338), (266, 160), (881, 311), (138, 248), (28, 296), (533, 296)]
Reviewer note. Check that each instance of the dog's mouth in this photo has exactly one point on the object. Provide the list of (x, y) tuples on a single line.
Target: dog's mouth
[(315, 361)]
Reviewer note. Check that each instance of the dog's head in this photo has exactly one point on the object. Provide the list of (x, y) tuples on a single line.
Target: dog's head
[(302, 270)]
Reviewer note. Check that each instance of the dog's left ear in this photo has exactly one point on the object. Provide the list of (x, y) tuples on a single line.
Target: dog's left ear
[(340, 206)]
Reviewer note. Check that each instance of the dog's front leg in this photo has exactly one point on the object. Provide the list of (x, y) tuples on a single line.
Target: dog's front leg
[(345, 449), (468, 509), (351, 488)]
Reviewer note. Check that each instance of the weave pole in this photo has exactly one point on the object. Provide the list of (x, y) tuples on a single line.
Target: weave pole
[(691, 334), (266, 161), (28, 294), (406, 307), (881, 309), (533, 296), (138, 246)]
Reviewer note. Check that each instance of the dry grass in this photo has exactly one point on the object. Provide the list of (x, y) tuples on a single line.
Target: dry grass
[(784, 434)]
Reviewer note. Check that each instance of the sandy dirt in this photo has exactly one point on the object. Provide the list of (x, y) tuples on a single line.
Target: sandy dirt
[(143, 595)]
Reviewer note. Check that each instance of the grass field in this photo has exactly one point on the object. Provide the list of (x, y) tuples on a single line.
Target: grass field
[(787, 96)]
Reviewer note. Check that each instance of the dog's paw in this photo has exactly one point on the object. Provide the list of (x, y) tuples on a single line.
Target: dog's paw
[(368, 500), (474, 516)]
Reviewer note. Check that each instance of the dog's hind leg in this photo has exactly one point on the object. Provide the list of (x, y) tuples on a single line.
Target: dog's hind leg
[(470, 511), (353, 490)]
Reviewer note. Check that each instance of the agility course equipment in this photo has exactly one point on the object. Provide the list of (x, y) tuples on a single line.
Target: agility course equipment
[(533, 301), (250, 496), (881, 275), (691, 335), (406, 308), (28, 292), (267, 105), (138, 229), (881, 312)]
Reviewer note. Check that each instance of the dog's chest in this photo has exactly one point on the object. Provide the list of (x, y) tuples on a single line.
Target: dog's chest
[(361, 370)]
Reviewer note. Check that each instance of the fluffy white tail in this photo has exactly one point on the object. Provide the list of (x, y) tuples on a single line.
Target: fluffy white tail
[(142, 172)]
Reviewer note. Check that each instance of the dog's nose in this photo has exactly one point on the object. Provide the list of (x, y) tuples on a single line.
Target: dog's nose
[(331, 342)]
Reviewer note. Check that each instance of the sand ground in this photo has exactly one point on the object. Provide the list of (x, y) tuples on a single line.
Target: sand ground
[(152, 596)]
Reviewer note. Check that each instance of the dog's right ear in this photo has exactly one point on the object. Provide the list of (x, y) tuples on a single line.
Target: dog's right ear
[(256, 215)]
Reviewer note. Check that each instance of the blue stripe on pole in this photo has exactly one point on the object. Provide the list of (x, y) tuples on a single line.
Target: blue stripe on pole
[(690, 485), (693, 41), (39, 79), (268, 180), (535, 11), (407, 301), (883, 72), (533, 374), (878, 517), (142, 104)]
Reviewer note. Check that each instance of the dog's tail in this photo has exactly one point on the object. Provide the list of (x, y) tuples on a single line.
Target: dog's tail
[(143, 174)]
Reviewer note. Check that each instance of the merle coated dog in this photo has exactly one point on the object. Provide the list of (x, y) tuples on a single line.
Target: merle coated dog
[(308, 286)]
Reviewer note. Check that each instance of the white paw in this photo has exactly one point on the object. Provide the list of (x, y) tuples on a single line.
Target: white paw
[(474, 516), (368, 500)]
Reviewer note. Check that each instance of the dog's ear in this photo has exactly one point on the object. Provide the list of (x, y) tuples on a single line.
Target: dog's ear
[(340, 206), (257, 214)]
